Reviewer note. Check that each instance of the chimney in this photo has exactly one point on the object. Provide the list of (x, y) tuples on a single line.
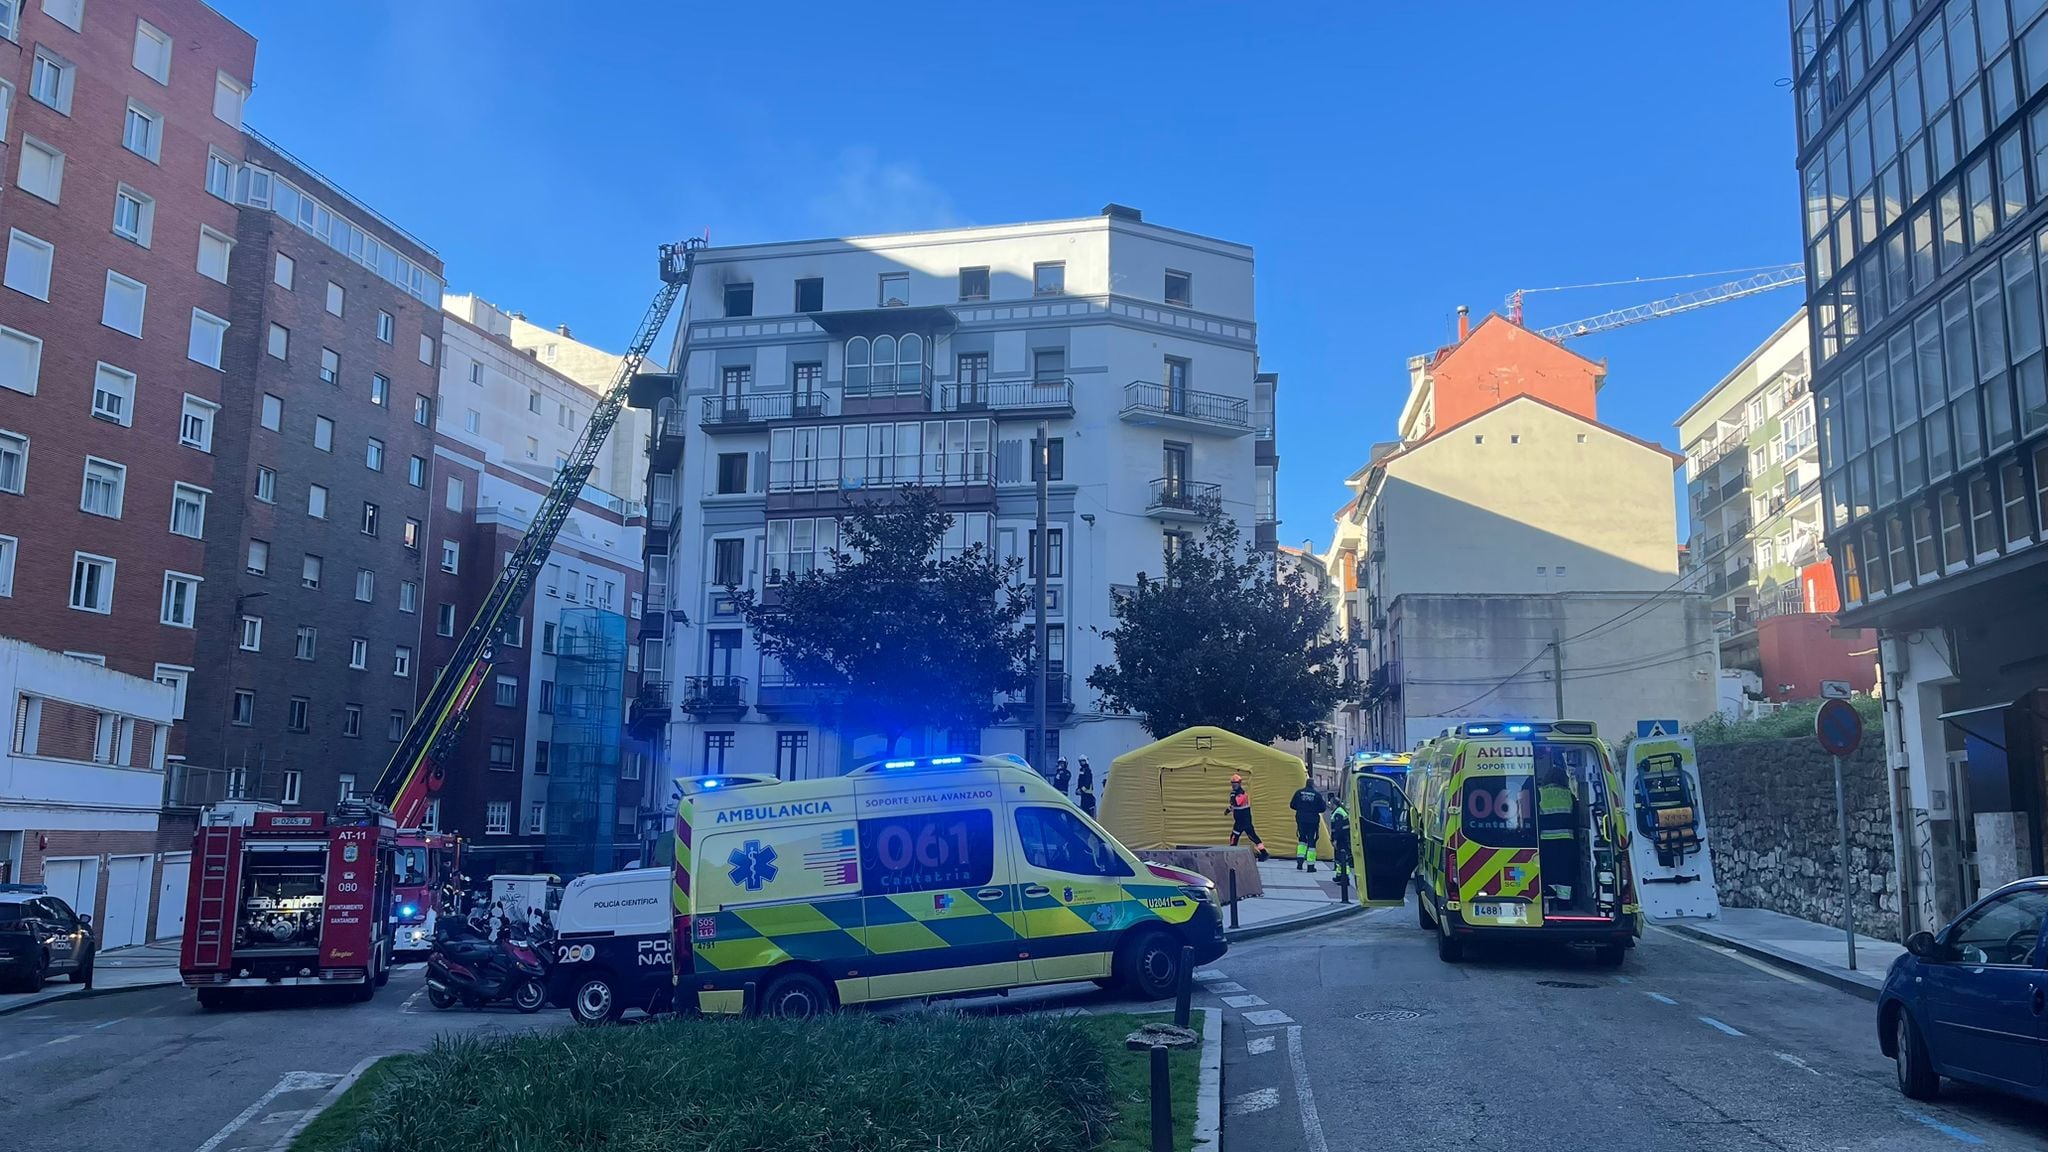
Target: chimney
[(1123, 212), (561, 329), (1464, 323)]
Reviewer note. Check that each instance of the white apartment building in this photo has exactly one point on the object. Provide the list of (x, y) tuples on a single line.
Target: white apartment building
[(810, 373)]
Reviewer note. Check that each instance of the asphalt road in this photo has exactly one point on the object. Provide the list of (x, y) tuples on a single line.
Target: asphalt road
[(149, 1070), (1361, 1037)]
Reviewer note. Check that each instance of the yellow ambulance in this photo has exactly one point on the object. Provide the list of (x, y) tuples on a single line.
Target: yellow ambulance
[(1518, 832), (916, 878)]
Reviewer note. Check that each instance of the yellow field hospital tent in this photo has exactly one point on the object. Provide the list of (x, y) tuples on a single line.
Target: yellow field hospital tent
[(1175, 792)]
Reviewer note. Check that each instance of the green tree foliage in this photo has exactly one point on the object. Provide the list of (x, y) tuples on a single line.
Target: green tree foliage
[(1221, 640), (896, 639), (1793, 720)]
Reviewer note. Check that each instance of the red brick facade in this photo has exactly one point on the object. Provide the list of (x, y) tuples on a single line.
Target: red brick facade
[(1500, 361)]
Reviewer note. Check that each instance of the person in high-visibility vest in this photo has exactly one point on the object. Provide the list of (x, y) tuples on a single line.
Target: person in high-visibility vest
[(1557, 822), (1240, 811), (1340, 836), (1308, 808)]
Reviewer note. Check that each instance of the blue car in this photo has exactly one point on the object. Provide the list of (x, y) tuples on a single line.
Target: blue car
[(1972, 1002)]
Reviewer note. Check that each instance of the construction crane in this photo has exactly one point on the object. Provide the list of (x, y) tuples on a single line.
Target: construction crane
[(1756, 282), (418, 768)]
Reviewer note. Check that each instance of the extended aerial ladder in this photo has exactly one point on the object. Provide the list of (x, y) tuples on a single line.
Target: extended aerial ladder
[(419, 766)]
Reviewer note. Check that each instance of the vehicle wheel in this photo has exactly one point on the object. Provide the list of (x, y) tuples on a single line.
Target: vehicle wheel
[(440, 997), (1917, 1078), (362, 993), (83, 973), (1449, 948), (384, 974), (33, 982), (529, 997), (1609, 955), (1151, 965), (594, 1002), (795, 996), (215, 999)]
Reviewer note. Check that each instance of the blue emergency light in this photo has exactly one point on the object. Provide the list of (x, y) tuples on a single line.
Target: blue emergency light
[(408, 910), (1479, 729), (899, 763), (1520, 729), (937, 760), (711, 782)]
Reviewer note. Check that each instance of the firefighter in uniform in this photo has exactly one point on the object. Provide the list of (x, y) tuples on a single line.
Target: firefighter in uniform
[(1308, 808), (1556, 820), (1061, 778), (1084, 789), (1240, 810), (1340, 836)]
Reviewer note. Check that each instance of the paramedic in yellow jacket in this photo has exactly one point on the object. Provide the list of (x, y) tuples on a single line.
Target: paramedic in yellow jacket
[(1240, 810)]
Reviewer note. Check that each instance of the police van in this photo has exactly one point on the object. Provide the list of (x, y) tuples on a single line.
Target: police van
[(614, 945), (914, 879)]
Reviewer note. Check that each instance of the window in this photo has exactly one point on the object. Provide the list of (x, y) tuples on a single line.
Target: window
[(13, 462), (1056, 839), (244, 712), (636, 605), (281, 272), (188, 511), (29, 260), (895, 289), (498, 818), (280, 341), (21, 361), (2001, 931), (427, 352), (9, 548), (408, 596), (513, 635), (422, 411), (716, 747), (974, 283), (266, 485), (69, 13), (176, 677), (501, 753), (1055, 459), (195, 425), (1049, 279), (181, 600), (252, 634), (122, 307), (505, 692), (394, 730), (1180, 288), (358, 653), (1049, 365), (373, 455), (732, 473), (380, 393), (143, 133), (258, 562), (739, 299), (152, 52), (810, 294), (135, 218), (316, 501), (401, 661), (792, 755), (335, 296), (366, 585), (533, 402), (456, 492), (220, 175), (384, 326), (307, 642), (444, 619), (728, 562), (352, 727), (1983, 517), (412, 532), (228, 96), (204, 342), (50, 81), (113, 394), (104, 489), (451, 556), (537, 819), (547, 638), (2019, 517), (92, 583), (215, 250), (1055, 553), (546, 703), (309, 571), (370, 516), (323, 433)]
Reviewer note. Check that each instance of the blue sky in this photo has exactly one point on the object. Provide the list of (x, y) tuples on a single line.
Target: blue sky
[(1388, 161)]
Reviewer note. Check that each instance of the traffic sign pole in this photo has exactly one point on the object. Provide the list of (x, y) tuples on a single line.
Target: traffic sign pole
[(1838, 727), (1848, 901)]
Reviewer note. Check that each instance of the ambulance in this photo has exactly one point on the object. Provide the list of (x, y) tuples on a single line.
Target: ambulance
[(916, 878), (1519, 833)]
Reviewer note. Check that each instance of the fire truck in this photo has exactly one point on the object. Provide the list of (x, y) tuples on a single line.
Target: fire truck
[(298, 899), (424, 865)]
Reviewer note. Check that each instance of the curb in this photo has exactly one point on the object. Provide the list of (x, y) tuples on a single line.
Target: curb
[(341, 1086), (1209, 1095), (1840, 979), (1271, 928), (81, 993)]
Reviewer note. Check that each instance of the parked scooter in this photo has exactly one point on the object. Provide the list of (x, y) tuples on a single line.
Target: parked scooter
[(468, 967)]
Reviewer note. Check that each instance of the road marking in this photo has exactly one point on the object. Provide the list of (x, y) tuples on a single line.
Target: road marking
[(1710, 1022), (1739, 958), (406, 1008), (111, 1023), (1623, 980), (289, 1082), (1223, 986), (1305, 1100), (1207, 974), (1257, 1100), (1796, 1062), (1948, 1130), (1260, 1045), (1267, 1018), (63, 1039), (1660, 998), (1245, 1001)]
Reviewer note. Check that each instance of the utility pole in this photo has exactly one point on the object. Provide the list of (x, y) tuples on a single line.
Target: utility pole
[(1557, 668), (1039, 666)]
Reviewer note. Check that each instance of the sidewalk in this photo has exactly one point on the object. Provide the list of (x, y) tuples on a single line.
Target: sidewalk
[(1292, 899), (119, 970), (1816, 951)]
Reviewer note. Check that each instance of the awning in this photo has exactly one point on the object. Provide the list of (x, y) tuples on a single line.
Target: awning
[(1986, 722)]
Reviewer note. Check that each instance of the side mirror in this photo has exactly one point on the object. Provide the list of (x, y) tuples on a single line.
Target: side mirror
[(1922, 944), (85, 919)]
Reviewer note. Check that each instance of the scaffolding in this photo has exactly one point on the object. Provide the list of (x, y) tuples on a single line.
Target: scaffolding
[(583, 774)]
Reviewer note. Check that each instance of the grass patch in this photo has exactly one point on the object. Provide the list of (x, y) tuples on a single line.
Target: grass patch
[(927, 1082), (1793, 720)]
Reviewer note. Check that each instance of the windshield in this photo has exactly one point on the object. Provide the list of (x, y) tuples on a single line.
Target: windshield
[(13, 913), (409, 869)]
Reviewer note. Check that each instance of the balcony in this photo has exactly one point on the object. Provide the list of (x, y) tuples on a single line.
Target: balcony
[(665, 443), (649, 389), (783, 697), (649, 711), (1180, 409), (713, 697), (747, 413), (1059, 700), (1049, 397), (1179, 500), (961, 479), (886, 397), (1739, 530)]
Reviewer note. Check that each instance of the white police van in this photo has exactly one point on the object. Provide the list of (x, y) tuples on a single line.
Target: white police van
[(614, 945)]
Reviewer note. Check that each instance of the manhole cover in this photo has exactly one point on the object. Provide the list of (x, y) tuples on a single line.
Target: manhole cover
[(1563, 984), (1389, 1016)]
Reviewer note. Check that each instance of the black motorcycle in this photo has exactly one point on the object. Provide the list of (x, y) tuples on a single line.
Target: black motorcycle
[(475, 970)]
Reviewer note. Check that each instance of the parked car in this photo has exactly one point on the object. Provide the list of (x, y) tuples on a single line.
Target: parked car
[(40, 937), (1971, 1002)]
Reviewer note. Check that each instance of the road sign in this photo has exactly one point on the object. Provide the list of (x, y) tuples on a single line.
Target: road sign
[(1655, 729), (1838, 727), (1836, 689)]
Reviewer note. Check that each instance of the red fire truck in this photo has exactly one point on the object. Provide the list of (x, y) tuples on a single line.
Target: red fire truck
[(425, 863)]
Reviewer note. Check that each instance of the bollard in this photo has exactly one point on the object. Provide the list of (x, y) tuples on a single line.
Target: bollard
[(749, 998), (1162, 1103), (1233, 897), (1343, 888), (1186, 990)]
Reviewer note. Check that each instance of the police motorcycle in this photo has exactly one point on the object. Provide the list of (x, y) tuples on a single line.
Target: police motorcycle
[(480, 960)]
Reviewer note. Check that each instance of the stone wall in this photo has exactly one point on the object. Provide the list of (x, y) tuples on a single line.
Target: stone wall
[(1771, 828)]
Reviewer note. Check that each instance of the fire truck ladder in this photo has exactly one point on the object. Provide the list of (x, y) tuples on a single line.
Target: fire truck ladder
[(216, 849), (417, 767)]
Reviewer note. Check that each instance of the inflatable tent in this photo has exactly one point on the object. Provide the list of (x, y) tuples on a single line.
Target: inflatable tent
[(1174, 792)]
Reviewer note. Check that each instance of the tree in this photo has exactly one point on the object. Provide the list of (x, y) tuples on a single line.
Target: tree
[(1222, 639), (896, 638)]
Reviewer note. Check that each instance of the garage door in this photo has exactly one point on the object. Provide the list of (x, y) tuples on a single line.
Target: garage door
[(75, 881), (170, 896), (128, 893)]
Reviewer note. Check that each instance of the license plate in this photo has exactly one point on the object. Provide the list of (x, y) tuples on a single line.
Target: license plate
[(1496, 910)]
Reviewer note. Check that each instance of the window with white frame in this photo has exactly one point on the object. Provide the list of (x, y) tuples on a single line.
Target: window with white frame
[(21, 361), (323, 433), (330, 366), (105, 488), (294, 780), (451, 556), (252, 634), (309, 571), (283, 270), (401, 661), (41, 170), (229, 94), (505, 691), (181, 599), (271, 412), (498, 818), (444, 619), (537, 818), (195, 425), (123, 306), (178, 678), (204, 342), (69, 13), (366, 585), (316, 501), (243, 713), (134, 215), (472, 421), (258, 563), (306, 643), (92, 583), (51, 79), (373, 454), (13, 462), (280, 342), (416, 471), (408, 596), (335, 298), (380, 390), (385, 326), (29, 262), (358, 653), (220, 174), (188, 511), (113, 394), (266, 485), (215, 251), (371, 516), (456, 492), (152, 52), (503, 755), (422, 411), (6, 89), (143, 131), (426, 349), (10, 547)]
